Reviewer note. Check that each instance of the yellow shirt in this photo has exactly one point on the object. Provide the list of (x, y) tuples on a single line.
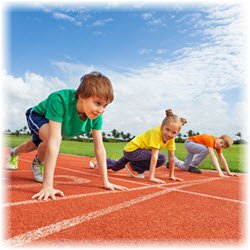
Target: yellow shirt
[(152, 138)]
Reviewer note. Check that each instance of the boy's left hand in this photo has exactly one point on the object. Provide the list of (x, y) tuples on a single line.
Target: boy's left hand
[(111, 186)]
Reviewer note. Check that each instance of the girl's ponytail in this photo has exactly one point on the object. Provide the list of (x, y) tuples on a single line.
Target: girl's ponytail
[(169, 112), (170, 116)]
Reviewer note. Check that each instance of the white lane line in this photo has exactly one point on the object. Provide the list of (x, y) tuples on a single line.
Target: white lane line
[(77, 196), (30, 236), (212, 196), (98, 175)]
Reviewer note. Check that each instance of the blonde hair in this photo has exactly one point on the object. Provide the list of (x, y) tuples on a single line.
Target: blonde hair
[(95, 84), (228, 141), (171, 117)]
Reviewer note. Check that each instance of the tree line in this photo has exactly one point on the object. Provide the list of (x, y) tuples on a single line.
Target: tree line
[(115, 136)]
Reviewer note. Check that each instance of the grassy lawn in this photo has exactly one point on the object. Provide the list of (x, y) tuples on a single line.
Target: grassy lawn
[(235, 156)]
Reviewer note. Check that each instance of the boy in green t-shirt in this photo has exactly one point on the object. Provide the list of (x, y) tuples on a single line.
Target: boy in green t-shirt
[(66, 113)]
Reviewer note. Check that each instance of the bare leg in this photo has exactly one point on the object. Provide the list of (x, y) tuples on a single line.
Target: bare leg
[(43, 134), (37, 165), (41, 151), (25, 147)]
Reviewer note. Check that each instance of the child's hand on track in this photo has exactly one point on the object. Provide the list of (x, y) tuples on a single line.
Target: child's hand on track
[(223, 176), (175, 179), (48, 192), (157, 180), (233, 174), (111, 186)]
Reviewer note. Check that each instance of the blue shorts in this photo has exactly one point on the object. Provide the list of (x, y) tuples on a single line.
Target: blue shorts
[(35, 122)]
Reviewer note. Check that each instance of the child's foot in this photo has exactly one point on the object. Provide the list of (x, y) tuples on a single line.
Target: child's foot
[(12, 163), (93, 163), (133, 172), (37, 169), (193, 169)]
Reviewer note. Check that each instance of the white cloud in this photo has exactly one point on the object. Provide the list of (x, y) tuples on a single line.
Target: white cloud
[(152, 20), (102, 22), (147, 16), (145, 51), (23, 93), (66, 17)]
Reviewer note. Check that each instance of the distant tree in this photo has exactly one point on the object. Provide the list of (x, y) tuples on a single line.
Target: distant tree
[(24, 129), (179, 135), (128, 135), (190, 133), (17, 133), (115, 133), (239, 134), (122, 135), (118, 135), (89, 135)]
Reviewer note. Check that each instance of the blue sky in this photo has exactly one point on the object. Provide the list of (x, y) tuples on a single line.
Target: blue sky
[(189, 57), (116, 38)]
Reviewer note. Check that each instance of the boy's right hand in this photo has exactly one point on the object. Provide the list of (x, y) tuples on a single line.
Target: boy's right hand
[(48, 192)]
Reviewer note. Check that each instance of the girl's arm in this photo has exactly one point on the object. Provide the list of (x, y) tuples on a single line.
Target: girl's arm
[(51, 135), (100, 154), (215, 161), (153, 162), (224, 164), (171, 159)]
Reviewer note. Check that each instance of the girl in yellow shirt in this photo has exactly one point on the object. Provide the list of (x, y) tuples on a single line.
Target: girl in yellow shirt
[(143, 152)]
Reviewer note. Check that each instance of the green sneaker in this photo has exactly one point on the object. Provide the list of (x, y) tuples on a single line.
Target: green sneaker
[(12, 162), (42, 168)]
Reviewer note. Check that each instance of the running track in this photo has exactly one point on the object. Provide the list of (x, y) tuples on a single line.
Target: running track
[(202, 210)]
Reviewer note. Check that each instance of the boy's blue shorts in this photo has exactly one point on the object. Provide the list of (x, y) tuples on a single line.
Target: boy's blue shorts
[(35, 122)]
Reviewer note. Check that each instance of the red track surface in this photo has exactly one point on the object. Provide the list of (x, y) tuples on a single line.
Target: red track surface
[(202, 210)]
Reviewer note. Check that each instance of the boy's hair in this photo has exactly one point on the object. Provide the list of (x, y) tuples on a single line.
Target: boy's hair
[(170, 117), (228, 141), (95, 84)]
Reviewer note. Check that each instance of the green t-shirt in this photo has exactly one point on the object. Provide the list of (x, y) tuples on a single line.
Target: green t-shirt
[(60, 106)]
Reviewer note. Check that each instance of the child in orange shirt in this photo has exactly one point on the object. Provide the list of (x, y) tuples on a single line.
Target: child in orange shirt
[(199, 147)]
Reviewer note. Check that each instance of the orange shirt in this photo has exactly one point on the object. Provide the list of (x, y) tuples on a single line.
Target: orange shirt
[(207, 140)]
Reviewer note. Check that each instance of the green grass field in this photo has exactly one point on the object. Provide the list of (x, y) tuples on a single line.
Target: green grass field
[(235, 156)]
